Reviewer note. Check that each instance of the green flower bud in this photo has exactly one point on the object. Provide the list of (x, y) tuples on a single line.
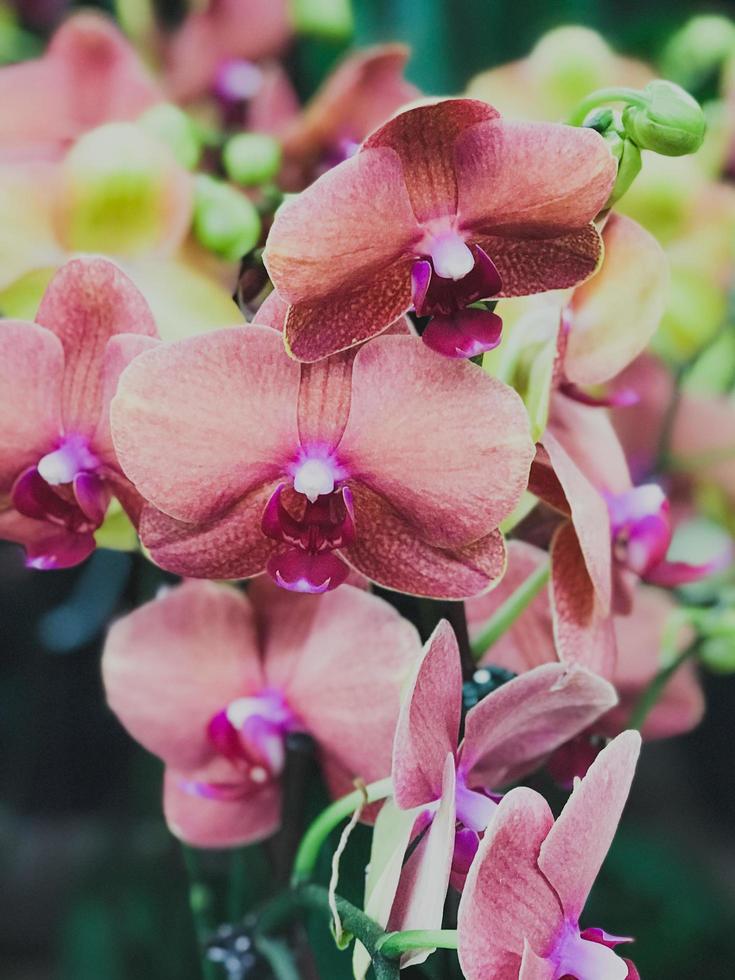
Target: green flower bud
[(225, 221), (174, 128), (671, 122), (252, 158)]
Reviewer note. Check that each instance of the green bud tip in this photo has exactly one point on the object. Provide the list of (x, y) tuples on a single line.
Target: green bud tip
[(173, 127), (251, 159), (225, 221), (670, 122)]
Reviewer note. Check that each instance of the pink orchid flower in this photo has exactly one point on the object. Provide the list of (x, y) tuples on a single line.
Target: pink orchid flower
[(444, 205), (363, 92), (639, 637), (213, 681), (373, 460), (217, 44), (526, 890), (447, 792), (88, 76), (58, 469)]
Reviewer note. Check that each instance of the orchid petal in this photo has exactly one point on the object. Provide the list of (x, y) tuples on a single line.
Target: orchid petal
[(389, 550), (575, 847), (88, 76), (346, 229), (362, 92), (209, 822), (316, 662), (328, 325), (188, 420), (47, 546), (400, 392), (424, 139), (87, 302), (422, 889), (607, 334), (583, 630), (535, 967), (506, 901), (391, 836), (175, 662), (31, 372), (514, 728), (325, 394), (428, 725), (464, 334), (119, 352), (531, 180), (232, 546)]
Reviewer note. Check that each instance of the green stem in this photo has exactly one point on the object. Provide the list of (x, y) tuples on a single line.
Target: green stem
[(504, 617), (201, 903), (396, 944), (652, 693), (328, 819), (315, 897), (279, 958), (602, 97)]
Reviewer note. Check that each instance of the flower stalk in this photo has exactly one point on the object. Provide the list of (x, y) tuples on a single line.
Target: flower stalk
[(504, 617)]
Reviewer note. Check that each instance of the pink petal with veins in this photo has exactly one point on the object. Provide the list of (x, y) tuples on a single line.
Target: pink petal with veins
[(87, 303), (401, 392), (173, 664), (188, 420), (428, 725), (89, 75), (574, 849), (31, 373)]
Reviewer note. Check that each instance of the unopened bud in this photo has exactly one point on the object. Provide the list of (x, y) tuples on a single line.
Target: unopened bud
[(174, 128), (670, 122), (252, 158), (329, 19), (717, 650), (225, 221), (698, 50), (628, 157)]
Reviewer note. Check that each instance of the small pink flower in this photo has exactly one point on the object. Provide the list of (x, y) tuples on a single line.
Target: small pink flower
[(213, 681), (221, 36), (526, 890), (386, 459), (88, 76), (58, 469), (442, 206), (448, 791)]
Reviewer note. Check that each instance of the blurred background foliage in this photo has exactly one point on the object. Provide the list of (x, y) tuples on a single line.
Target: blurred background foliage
[(93, 886)]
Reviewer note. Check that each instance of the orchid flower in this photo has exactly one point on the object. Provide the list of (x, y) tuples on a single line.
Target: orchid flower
[(376, 460), (117, 191), (444, 205), (213, 682), (446, 791), (526, 890), (363, 92), (639, 637), (58, 469), (217, 43), (88, 76)]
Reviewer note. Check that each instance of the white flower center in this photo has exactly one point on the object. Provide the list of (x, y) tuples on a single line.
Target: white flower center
[(450, 257), (313, 478)]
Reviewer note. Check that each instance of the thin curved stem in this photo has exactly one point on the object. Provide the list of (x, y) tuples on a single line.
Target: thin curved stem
[(604, 96), (396, 944), (328, 819), (504, 617)]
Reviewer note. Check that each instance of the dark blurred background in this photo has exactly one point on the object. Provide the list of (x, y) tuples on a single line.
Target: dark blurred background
[(91, 884)]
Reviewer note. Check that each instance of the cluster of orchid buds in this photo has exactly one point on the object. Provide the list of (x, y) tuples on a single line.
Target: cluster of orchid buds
[(431, 417)]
